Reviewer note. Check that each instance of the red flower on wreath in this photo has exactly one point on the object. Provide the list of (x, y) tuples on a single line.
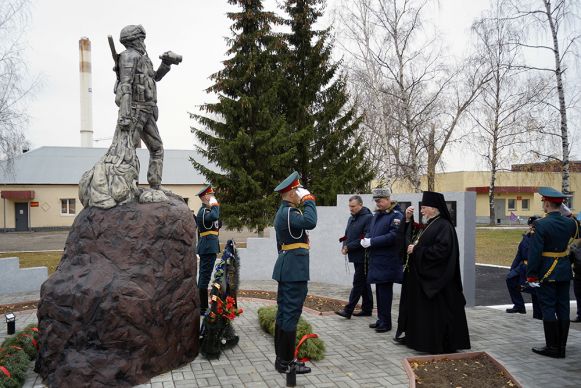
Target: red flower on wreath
[(5, 371), (227, 310)]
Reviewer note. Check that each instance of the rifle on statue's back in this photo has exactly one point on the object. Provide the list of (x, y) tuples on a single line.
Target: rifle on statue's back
[(115, 60)]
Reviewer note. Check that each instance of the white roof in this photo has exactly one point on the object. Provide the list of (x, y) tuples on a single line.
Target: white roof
[(66, 165)]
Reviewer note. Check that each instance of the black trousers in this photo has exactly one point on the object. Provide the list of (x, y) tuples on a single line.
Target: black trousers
[(577, 291), (554, 300), (361, 289), (384, 293), (513, 285)]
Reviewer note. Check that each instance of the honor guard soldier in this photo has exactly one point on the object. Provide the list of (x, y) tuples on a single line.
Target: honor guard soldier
[(208, 221), (291, 270), (549, 270)]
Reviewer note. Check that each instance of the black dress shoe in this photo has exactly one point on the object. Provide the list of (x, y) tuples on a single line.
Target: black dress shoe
[(515, 310), (382, 329), (553, 352), (343, 313), (362, 314), (373, 325), (400, 340), (578, 319), (284, 367)]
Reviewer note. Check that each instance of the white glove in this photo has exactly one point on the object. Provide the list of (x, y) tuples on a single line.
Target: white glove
[(301, 192), (365, 243), (213, 201), (534, 284)]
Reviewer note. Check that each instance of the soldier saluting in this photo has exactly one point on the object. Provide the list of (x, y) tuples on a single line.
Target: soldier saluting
[(208, 221), (549, 269), (291, 270)]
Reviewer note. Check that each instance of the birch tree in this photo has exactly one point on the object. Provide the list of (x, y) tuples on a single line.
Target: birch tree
[(414, 100), (503, 114), (13, 90), (549, 32)]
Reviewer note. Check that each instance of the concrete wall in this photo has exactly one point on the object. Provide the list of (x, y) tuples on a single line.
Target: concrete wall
[(14, 280), (48, 213), (327, 264)]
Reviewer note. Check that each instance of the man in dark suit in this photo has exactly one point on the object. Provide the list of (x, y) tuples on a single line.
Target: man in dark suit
[(549, 271), (357, 226), (291, 270)]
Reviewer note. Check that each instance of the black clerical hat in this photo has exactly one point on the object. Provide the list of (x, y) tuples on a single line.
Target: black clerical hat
[(437, 200)]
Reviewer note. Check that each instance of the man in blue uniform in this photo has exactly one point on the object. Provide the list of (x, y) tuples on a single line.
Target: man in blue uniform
[(549, 270), (517, 276), (291, 270), (385, 243), (208, 244)]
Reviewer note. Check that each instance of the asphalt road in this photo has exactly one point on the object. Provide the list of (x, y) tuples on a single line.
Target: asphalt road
[(491, 287)]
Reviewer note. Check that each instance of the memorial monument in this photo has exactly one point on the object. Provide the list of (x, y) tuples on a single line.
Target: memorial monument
[(122, 305)]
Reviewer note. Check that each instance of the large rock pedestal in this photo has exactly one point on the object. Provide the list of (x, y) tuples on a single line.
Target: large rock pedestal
[(123, 304)]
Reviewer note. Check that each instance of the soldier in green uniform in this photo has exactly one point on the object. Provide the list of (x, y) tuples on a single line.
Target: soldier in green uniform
[(208, 244), (549, 270), (291, 270)]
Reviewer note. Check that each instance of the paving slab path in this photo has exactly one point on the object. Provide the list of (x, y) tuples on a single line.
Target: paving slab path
[(357, 356)]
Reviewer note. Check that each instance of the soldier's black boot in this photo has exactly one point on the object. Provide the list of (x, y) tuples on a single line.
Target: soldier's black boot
[(552, 348), (203, 300), (563, 335), (276, 346), (286, 354)]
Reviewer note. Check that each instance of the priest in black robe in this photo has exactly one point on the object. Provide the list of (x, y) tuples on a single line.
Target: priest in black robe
[(435, 320)]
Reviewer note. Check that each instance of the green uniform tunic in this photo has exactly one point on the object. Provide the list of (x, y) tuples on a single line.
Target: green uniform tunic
[(208, 245), (291, 269), (552, 236)]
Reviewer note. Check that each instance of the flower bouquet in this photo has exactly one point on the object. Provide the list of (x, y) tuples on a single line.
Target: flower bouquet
[(217, 331)]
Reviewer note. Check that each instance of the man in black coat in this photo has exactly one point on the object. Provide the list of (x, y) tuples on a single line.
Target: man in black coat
[(434, 301), (357, 226)]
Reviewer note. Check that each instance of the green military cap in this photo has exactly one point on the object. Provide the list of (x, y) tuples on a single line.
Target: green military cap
[(205, 190), (291, 182), (552, 195)]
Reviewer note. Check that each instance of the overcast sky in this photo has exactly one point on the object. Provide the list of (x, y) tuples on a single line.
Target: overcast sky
[(192, 28)]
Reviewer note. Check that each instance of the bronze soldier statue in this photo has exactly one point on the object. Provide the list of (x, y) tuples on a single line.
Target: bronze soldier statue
[(136, 96), (113, 180)]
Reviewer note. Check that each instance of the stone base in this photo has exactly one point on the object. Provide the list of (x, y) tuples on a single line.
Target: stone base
[(122, 306)]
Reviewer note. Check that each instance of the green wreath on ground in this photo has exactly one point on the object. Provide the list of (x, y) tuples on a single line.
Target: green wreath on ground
[(313, 349), (15, 356)]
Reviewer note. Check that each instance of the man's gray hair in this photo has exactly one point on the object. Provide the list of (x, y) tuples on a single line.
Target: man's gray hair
[(356, 198)]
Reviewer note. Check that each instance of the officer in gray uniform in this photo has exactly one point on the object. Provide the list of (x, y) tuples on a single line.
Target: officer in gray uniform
[(136, 96), (291, 270)]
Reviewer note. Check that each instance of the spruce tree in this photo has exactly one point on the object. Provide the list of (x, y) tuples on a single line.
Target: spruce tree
[(244, 134), (330, 154)]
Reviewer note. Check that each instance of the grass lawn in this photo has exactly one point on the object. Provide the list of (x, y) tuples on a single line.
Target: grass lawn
[(497, 246), (37, 259)]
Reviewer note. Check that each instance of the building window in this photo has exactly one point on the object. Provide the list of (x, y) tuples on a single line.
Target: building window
[(68, 206), (511, 204), (525, 204)]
